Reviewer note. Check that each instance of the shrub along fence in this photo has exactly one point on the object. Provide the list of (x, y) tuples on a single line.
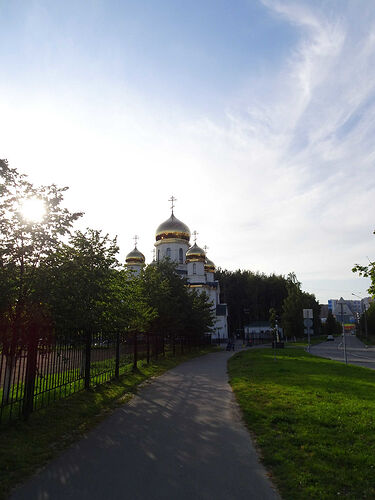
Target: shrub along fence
[(37, 372)]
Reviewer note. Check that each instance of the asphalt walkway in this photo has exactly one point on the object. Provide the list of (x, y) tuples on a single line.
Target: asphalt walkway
[(180, 438)]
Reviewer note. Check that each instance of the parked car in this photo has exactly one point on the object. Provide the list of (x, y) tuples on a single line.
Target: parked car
[(330, 337)]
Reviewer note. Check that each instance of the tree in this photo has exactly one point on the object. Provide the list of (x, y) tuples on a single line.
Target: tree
[(77, 282), (367, 272), (294, 303), (24, 245), (250, 295), (332, 326), (180, 311)]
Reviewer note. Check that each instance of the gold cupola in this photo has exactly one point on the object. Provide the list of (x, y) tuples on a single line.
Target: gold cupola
[(195, 254), (135, 257), (172, 228), (209, 266)]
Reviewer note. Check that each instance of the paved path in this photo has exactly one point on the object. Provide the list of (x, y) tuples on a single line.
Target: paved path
[(357, 352), (180, 438)]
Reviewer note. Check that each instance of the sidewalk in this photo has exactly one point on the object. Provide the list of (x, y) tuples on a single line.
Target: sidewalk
[(180, 438)]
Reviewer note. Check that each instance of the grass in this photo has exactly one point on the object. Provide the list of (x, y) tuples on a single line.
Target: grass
[(26, 446), (50, 388), (313, 420), (313, 340)]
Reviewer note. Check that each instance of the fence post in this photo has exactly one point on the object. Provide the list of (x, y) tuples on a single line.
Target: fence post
[(135, 352), (31, 366), (117, 360), (87, 359), (156, 346), (148, 346)]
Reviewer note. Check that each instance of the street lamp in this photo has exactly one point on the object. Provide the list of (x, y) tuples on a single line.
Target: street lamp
[(363, 310)]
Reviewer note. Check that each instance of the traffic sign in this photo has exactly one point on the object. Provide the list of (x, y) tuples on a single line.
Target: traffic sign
[(308, 313), (308, 322)]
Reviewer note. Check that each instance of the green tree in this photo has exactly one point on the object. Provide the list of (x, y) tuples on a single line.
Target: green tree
[(368, 272), (78, 283), (294, 303), (250, 296), (24, 245), (332, 326)]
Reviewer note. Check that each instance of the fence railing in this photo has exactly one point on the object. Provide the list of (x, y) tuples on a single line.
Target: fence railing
[(36, 373)]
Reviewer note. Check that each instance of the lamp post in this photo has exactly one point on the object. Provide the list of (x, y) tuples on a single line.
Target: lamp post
[(342, 302), (363, 310)]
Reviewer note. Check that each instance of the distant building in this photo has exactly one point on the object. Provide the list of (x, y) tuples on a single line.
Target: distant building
[(351, 309)]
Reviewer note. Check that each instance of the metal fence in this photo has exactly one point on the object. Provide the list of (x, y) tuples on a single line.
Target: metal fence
[(36, 373)]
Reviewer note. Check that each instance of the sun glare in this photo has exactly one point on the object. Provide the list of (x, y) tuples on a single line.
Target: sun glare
[(33, 209)]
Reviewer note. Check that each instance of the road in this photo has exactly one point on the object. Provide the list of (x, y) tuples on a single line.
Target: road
[(181, 437), (357, 352)]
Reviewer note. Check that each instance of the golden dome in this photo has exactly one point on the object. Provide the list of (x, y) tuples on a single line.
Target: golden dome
[(172, 228), (195, 254), (209, 266), (135, 257)]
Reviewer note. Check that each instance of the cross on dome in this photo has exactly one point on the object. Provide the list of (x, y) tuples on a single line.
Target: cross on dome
[(195, 234), (135, 238), (172, 199), (205, 248)]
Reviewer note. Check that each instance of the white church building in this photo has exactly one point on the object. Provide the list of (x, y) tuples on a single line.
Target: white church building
[(172, 241)]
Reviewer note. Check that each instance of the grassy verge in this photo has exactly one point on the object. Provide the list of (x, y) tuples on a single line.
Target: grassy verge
[(26, 446), (313, 420), (313, 341)]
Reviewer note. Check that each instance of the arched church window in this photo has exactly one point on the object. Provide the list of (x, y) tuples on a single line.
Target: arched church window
[(180, 257), (194, 268), (168, 253), (158, 255)]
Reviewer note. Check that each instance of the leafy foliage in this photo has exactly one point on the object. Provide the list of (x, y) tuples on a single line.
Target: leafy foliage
[(332, 326), (250, 296), (25, 244), (367, 272)]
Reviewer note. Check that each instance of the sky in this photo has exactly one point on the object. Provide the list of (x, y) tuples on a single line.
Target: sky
[(257, 115)]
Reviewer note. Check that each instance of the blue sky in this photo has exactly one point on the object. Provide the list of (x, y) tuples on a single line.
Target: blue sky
[(259, 116)]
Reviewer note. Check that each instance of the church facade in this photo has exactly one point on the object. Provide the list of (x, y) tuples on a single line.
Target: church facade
[(172, 242)]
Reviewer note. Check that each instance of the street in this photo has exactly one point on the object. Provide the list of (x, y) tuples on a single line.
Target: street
[(357, 352)]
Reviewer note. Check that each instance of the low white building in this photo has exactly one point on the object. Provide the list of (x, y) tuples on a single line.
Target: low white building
[(260, 330)]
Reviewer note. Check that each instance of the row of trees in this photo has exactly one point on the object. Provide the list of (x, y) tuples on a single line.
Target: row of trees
[(65, 282), (368, 272), (255, 296)]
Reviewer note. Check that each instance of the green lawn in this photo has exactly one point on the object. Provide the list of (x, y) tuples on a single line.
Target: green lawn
[(26, 446), (313, 420)]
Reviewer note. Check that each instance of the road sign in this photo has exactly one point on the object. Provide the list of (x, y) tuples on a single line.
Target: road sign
[(308, 313), (308, 322)]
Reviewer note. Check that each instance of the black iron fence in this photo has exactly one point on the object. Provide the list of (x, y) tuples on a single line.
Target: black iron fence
[(42, 370)]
